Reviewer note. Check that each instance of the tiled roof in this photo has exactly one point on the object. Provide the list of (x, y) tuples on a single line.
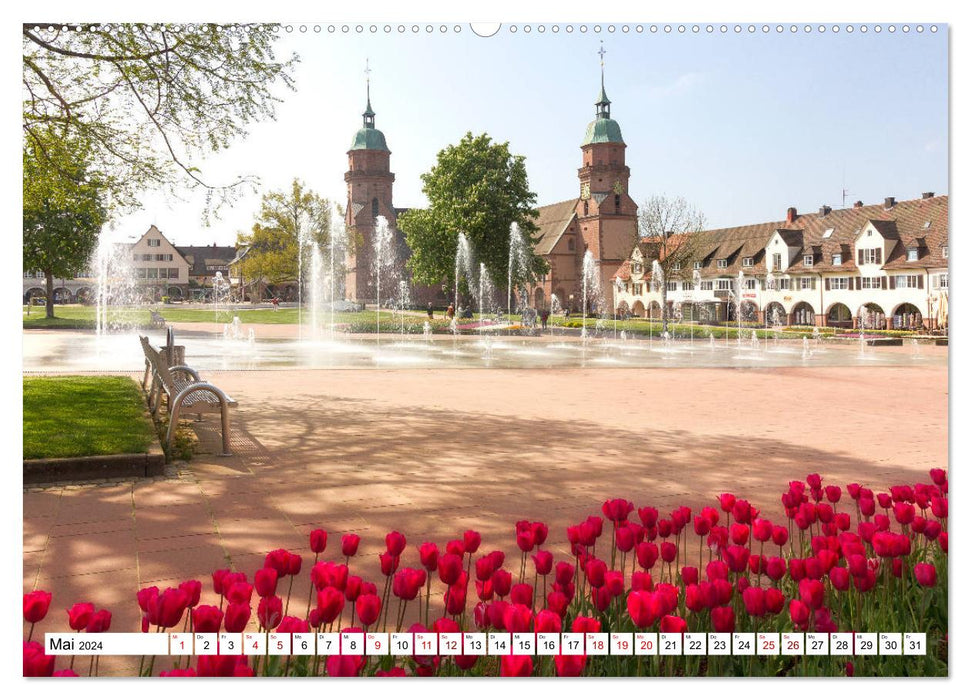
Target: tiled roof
[(623, 272), (198, 256), (915, 223), (552, 221)]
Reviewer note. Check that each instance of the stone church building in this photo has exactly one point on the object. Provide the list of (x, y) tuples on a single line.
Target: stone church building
[(602, 218)]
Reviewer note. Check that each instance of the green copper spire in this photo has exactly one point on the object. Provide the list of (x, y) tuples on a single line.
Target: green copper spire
[(603, 129), (368, 137)]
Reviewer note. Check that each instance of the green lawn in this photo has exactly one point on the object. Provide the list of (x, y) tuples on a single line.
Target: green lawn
[(80, 416)]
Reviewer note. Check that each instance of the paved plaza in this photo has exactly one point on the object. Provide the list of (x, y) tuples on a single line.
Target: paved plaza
[(434, 452)]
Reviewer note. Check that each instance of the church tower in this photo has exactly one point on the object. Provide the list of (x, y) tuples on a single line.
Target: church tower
[(369, 195), (606, 213)]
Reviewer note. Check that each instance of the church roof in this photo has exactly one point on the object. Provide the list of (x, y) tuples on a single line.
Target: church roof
[(603, 130), (552, 221), (368, 139)]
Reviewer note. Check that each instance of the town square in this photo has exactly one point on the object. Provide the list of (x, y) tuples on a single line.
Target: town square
[(533, 368)]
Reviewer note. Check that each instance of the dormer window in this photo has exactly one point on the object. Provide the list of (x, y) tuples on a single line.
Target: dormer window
[(777, 261), (837, 258), (911, 254), (697, 264), (748, 262), (828, 232), (807, 260), (927, 224), (676, 266), (722, 262), (944, 252)]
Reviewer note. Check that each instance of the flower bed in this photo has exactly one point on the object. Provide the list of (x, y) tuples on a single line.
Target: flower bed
[(872, 562)]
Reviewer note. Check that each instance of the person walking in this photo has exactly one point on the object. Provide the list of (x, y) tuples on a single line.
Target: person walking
[(431, 313)]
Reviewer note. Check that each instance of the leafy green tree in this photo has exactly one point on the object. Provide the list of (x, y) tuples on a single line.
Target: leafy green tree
[(477, 188), (63, 212), (149, 99), (287, 221)]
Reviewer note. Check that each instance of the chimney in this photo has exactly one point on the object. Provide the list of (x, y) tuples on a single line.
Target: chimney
[(858, 204), (825, 209), (926, 195), (791, 215), (888, 202)]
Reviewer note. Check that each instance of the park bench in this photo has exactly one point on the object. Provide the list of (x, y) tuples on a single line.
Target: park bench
[(158, 321), (183, 390)]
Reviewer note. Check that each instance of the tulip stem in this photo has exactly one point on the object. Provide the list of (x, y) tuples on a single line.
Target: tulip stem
[(286, 608), (31, 633)]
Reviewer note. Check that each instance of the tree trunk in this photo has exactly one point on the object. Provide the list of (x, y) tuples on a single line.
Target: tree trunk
[(50, 293)]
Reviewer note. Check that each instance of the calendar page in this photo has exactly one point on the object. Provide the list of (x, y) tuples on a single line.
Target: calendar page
[(404, 345)]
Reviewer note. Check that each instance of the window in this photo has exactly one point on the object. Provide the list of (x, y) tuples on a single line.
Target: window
[(570, 243), (871, 282), (676, 266), (722, 262), (152, 273), (748, 262), (586, 207), (837, 283), (146, 256), (782, 283), (751, 283), (160, 257), (672, 286), (906, 281), (807, 283), (706, 285), (697, 264), (637, 268), (375, 209), (911, 254), (777, 261), (617, 203), (807, 260), (168, 257), (173, 273), (870, 256), (154, 242), (944, 252), (927, 224), (828, 232), (638, 288), (837, 258), (942, 281), (724, 285), (140, 273), (687, 286)]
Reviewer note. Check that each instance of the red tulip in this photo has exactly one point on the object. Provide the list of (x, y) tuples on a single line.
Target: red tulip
[(218, 577), (672, 624), (585, 624), (541, 532), (516, 666), (501, 582), (867, 506), (548, 621), (799, 612), (716, 570), (223, 666), (345, 666), (904, 513), (472, 540), (617, 510), (754, 599), (270, 612), (641, 608), (407, 583), (525, 539), (237, 617), (389, 563), (206, 618), (517, 618), (278, 559), (811, 593), (167, 610), (349, 544), (840, 578), (596, 572), (926, 575), (739, 533), (780, 535), (723, 619), (668, 551), (395, 543), (449, 568), (330, 603), (37, 664), (36, 605), (570, 666), (99, 622), (543, 560), (736, 557), (318, 541), (455, 597), (293, 625), (696, 597), (648, 516), (428, 554), (939, 507), (774, 601), (702, 525), (456, 547), (265, 581), (368, 609), (775, 568), (647, 554), (239, 592), (193, 591), (626, 538), (522, 593), (147, 595), (564, 573)]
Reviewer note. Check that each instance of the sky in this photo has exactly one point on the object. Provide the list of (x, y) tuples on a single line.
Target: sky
[(741, 125)]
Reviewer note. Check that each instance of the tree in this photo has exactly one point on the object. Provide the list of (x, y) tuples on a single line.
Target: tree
[(63, 212), (667, 229), (287, 221), (148, 99), (477, 188)]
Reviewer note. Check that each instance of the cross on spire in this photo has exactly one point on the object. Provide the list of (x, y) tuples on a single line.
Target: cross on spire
[(368, 112), (603, 104)]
